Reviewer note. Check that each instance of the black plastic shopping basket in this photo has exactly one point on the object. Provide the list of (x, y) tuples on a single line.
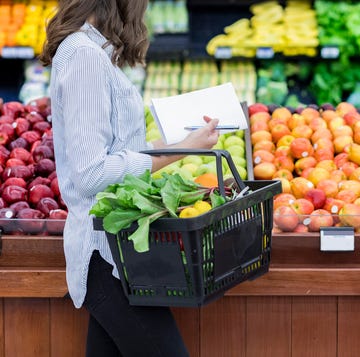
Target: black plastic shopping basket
[(196, 260)]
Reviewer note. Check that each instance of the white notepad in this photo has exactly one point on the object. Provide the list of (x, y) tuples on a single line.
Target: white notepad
[(172, 114)]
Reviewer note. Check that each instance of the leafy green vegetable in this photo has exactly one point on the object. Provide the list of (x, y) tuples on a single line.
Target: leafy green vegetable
[(144, 199)]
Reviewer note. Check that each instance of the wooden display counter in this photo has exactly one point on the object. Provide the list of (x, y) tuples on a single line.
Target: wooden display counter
[(307, 305)]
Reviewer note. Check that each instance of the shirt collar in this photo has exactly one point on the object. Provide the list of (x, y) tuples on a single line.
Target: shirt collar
[(96, 36)]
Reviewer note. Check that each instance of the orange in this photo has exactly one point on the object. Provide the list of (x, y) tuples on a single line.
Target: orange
[(207, 180)]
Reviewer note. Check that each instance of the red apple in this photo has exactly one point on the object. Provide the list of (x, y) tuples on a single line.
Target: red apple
[(47, 204), (316, 196), (14, 162), (320, 218), (37, 192), (257, 107), (56, 221), (31, 220), (17, 171), (18, 181), (302, 206), (283, 199), (31, 136), (285, 218), (21, 154), (14, 193), (350, 215), (21, 125), (19, 205), (39, 180), (54, 185)]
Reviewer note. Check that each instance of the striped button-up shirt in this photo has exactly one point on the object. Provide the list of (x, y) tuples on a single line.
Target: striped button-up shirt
[(99, 129)]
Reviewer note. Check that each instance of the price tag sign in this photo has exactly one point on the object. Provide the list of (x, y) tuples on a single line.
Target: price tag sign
[(264, 52), (330, 52), (334, 239), (223, 52), (18, 52)]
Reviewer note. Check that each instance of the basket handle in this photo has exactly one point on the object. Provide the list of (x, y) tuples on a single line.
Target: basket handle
[(207, 152)]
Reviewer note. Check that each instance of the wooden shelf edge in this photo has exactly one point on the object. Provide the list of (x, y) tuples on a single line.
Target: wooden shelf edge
[(302, 282), (32, 283)]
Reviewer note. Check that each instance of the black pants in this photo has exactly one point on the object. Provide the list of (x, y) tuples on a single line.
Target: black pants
[(118, 329)]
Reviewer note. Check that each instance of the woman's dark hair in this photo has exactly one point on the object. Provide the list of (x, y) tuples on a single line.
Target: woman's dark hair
[(121, 22)]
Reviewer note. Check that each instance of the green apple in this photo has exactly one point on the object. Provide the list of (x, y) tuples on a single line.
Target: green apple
[(171, 168), (242, 172), (205, 168), (239, 161), (240, 133), (153, 134), (233, 140), (190, 167), (192, 159), (208, 158), (151, 125), (236, 150), (219, 145), (184, 173)]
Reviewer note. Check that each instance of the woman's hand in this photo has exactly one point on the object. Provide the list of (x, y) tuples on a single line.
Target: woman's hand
[(203, 138)]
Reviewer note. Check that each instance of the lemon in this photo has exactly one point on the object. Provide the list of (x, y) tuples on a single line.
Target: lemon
[(202, 206), (189, 212)]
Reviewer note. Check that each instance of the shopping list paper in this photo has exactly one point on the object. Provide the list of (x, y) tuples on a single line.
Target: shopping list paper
[(173, 114)]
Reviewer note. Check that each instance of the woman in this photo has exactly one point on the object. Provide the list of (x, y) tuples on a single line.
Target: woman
[(99, 131)]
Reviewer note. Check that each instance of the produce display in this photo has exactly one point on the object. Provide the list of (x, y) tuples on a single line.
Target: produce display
[(291, 30), (194, 167), (315, 153), (30, 201), (166, 78), (22, 22)]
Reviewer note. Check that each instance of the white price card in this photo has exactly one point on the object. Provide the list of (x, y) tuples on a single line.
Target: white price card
[(223, 52), (22, 52), (264, 52), (330, 52), (333, 239)]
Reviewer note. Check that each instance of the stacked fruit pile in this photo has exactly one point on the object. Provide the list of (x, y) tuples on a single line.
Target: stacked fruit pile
[(315, 152), (30, 200), (203, 168), (23, 22), (291, 30)]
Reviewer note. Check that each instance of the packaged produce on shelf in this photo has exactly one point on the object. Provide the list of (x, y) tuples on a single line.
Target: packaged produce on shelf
[(291, 30), (36, 84), (167, 16), (315, 152), (162, 79), (243, 77), (198, 75)]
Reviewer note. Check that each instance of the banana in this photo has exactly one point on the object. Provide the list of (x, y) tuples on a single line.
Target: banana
[(240, 25), (259, 8)]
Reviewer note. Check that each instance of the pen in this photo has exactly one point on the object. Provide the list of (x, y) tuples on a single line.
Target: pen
[(219, 127)]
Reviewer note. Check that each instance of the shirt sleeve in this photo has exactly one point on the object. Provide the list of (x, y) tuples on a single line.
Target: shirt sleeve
[(87, 109)]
